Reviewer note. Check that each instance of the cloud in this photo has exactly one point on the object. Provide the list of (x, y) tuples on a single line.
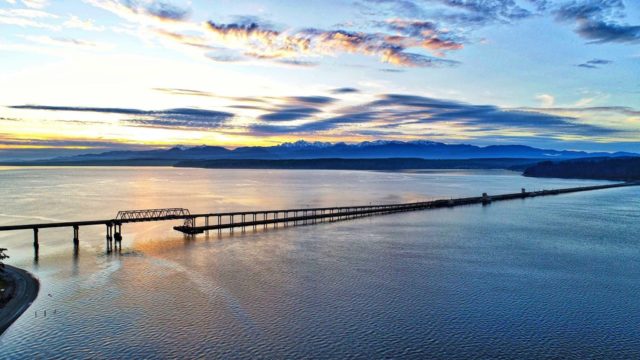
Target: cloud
[(261, 42), (597, 21), (249, 38), (36, 4), (291, 108), (408, 113), (309, 99), (345, 90), (594, 63), (499, 10), (136, 9), (314, 126), (296, 63), (28, 18), (423, 34), (546, 100), (289, 114), (623, 110), (188, 40), (68, 42), (458, 12), (170, 118), (75, 22), (188, 92)]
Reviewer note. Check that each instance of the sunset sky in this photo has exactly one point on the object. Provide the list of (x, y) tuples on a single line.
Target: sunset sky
[(83, 76)]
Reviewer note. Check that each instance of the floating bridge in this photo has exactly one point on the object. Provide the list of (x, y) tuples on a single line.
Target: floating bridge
[(275, 218)]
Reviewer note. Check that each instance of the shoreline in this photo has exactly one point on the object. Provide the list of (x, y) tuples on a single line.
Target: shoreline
[(24, 291)]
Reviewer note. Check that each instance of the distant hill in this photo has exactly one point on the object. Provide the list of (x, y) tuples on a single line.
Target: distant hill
[(619, 169), (360, 164), (318, 150)]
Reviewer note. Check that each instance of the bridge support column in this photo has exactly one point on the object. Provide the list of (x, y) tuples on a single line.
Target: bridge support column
[(485, 199), (206, 224), (76, 235), (118, 234), (109, 238), (36, 244)]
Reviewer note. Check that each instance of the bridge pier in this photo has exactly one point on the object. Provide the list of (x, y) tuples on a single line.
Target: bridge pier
[(36, 244), (76, 236), (486, 199), (118, 232), (109, 238)]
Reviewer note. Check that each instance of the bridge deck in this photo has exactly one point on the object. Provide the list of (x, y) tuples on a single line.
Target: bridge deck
[(288, 215)]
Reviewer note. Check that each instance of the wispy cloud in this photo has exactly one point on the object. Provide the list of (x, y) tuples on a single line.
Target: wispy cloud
[(466, 13), (34, 18), (137, 9), (171, 118), (410, 113), (594, 63), (599, 21), (75, 22), (289, 114), (36, 4), (623, 110), (546, 100), (67, 42), (264, 43), (345, 90)]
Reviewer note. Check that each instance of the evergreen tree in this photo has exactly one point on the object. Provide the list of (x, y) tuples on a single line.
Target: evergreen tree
[(2, 257)]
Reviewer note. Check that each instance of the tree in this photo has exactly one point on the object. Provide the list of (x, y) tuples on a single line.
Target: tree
[(2, 257)]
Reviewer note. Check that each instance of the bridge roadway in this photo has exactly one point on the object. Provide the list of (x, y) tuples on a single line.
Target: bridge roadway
[(307, 215), (253, 219)]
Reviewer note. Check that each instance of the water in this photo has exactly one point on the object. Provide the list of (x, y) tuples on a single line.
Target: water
[(546, 277)]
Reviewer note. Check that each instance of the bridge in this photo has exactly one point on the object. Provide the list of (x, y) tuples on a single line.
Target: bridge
[(275, 218)]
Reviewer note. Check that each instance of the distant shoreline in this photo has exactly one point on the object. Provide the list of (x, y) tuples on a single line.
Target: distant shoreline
[(613, 169), (394, 164), (23, 288)]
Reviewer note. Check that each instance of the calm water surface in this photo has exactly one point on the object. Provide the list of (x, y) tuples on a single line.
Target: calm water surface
[(546, 277)]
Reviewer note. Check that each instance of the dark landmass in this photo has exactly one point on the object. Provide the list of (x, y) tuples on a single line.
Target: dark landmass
[(618, 169), (361, 164), (124, 162), (317, 150), (21, 289)]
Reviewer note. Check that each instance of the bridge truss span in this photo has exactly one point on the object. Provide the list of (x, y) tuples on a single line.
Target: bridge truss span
[(152, 214)]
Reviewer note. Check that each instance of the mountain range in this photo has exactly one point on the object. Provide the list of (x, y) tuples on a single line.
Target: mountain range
[(323, 150)]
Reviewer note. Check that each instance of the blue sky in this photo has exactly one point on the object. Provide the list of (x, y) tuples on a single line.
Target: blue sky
[(92, 75)]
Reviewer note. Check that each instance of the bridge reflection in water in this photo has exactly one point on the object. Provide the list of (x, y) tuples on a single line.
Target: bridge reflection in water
[(275, 218)]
